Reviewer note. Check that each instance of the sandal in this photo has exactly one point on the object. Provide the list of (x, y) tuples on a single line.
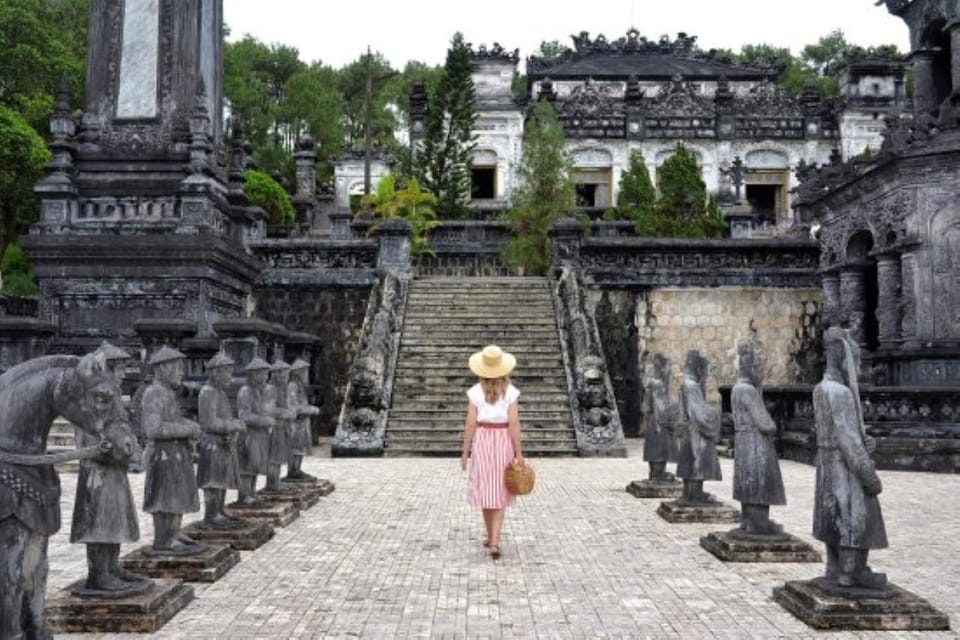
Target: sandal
[(486, 543), (495, 553)]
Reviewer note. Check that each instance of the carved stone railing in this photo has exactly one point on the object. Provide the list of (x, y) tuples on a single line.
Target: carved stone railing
[(302, 260), (916, 428), (624, 261), (362, 424), (593, 406), (466, 248), (13, 306)]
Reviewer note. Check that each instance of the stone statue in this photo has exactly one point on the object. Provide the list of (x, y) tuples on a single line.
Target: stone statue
[(757, 482), (275, 399), (846, 515), (698, 452), (660, 441), (301, 439), (170, 485), (104, 513), (32, 395), (255, 449), (219, 466)]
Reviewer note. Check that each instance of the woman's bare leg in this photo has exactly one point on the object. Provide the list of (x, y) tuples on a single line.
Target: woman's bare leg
[(496, 523), (488, 522)]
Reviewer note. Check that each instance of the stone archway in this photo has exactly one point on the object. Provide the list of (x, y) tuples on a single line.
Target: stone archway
[(860, 290)]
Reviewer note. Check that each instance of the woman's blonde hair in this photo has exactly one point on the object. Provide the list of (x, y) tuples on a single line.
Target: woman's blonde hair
[(494, 388)]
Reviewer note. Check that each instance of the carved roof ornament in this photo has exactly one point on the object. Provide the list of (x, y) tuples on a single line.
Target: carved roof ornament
[(591, 99), (684, 46), (495, 53), (896, 7), (678, 96), (769, 99)]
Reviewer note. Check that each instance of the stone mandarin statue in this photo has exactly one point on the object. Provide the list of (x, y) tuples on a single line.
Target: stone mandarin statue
[(757, 482), (660, 442), (301, 438), (846, 515), (104, 514), (275, 398), (255, 449), (170, 485), (698, 452), (219, 466), (32, 395)]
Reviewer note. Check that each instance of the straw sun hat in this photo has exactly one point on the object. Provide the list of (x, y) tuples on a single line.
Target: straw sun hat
[(492, 362)]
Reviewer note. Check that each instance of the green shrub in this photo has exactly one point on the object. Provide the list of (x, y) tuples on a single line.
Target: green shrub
[(17, 272), (265, 192)]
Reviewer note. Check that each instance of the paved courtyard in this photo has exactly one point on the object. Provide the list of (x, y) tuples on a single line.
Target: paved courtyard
[(395, 552)]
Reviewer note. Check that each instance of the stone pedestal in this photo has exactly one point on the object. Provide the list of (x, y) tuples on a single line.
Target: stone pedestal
[(655, 488), (141, 613), (302, 495), (208, 566), (737, 546), (276, 514), (901, 611), (253, 535), (710, 512)]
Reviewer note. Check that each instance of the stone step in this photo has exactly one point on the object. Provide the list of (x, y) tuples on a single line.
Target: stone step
[(459, 402), (456, 423), (451, 360), (448, 451), (459, 369), (437, 284), (465, 351), (493, 321), (455, 437), (526, 415)]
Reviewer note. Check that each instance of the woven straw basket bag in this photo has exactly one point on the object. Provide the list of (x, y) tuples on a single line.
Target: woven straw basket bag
[(520, 479)]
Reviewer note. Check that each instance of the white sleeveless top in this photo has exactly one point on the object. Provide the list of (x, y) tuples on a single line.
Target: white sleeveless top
[(497, 412)]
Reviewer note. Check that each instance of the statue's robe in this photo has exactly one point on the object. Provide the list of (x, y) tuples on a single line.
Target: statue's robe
[(170, 485), (254, 446), (219, 465), (660, 441), (844, 513), (276, 402), (698, 451), (300, 438), (756, 470)]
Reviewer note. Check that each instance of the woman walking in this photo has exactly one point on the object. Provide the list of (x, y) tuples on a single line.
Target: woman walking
[(491, 438)]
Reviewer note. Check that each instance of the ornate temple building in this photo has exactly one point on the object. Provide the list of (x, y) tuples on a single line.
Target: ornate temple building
[(614, 96)]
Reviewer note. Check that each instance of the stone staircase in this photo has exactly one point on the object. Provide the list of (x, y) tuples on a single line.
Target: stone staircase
[(448, 319)]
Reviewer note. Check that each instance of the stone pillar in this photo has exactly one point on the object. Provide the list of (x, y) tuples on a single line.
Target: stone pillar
[(831, 298), (394, 237), (22, 339), (305, 200), (244, 339), (908, 300), (924, 89), (888, 300), (340, 224), (566, 235), (853, 299), (954, 28)]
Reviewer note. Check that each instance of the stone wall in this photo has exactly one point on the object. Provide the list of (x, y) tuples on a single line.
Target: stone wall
[(334, 314), (636, 324)]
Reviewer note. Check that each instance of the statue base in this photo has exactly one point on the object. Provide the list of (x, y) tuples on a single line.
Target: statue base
[(276, 514), (253, 535), (144, 612), (709, 512), (899, 611), (739, 546), (208, 566), (302, 496), (655, 488)]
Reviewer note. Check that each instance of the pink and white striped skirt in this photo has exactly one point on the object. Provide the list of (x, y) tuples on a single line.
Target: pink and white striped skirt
[(491, 453)]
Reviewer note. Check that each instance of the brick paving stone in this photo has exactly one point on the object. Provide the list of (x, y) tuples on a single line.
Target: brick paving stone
[(395, 552)]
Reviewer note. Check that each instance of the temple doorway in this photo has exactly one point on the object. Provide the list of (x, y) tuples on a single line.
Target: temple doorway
[(593, 188)]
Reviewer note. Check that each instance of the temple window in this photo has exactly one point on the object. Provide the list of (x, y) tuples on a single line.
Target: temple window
[(483, 183)]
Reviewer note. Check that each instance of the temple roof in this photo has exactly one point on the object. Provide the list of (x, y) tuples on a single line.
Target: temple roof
[(634, 55)]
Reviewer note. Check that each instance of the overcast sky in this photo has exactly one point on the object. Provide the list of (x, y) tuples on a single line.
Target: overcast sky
[(338, 31)]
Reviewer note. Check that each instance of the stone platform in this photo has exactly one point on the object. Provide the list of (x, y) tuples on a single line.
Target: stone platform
[(208, 566), (276, 514), (655, 488), (709, 512), (902, 611), (252, 536), (302, 495), (140, 613), (735, 546)]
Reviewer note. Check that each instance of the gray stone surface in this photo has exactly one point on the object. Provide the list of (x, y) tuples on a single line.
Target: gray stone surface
[(137, 88), (395, 552)]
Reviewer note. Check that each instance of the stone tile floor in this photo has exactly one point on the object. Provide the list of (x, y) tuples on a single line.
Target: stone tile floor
[(395, 552)]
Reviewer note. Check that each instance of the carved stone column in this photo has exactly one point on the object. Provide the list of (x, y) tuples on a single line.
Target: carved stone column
[(954, 28), (908, 300), (394, 236), (888, 299), (565, 235), (831, 298), (853, 299), (924, 91)]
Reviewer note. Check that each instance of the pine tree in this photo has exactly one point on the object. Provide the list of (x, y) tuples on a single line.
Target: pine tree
[(637, 195), (545, 192), (682, 191), (443, 164)]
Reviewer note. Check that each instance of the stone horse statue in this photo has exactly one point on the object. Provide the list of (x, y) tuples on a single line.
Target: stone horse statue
[(32, 395)]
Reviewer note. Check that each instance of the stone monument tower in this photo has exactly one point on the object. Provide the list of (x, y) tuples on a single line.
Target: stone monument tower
[(138, 218)]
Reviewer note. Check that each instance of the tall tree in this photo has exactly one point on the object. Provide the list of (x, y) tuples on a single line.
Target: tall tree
[(23, 156), (545, 192), (683, 192), (636, 193), (443, 163), (375, 69)]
